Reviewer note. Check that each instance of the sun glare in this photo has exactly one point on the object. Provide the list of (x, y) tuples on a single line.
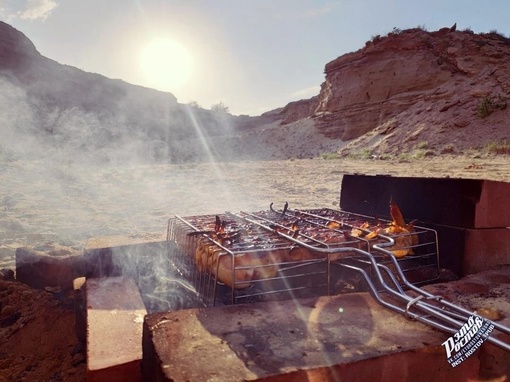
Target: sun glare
[(166, 64)]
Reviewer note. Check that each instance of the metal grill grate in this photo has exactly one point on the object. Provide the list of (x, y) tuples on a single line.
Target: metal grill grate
[(232, 258)]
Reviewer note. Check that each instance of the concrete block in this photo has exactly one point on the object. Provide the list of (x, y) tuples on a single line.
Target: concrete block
[(115, 314), (52, 266), (465, 251), (120, 255), (468, 203), (345, 337), (485, 248)]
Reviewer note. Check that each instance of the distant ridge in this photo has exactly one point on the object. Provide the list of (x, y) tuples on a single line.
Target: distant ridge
[(445, 91)]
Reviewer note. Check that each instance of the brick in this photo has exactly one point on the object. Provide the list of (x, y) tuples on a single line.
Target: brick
[(115, 313), (465, 251)]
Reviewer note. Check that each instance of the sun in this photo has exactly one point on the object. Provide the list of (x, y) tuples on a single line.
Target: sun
[(166, 64)]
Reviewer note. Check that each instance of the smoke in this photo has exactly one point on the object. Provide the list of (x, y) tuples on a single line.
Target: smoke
[(162, 278), (82, 156), (37, 127), (16, 119)]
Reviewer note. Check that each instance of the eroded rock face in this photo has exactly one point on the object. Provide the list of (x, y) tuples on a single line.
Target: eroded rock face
[(391, 74), (409, 89), (295, 111), (411, 82), (16, 49)]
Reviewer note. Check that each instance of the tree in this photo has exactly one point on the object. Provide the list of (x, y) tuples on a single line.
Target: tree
[(194, 104), (220, 108)]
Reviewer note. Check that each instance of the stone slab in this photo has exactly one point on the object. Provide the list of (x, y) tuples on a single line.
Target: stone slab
[(123, 240), (115, 314), (120, 255), (345, 337), (468, 203)]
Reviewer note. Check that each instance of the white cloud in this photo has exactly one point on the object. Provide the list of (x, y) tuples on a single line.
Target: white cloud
[(306, 93), (26, 10), (315, 12), (37, 9)]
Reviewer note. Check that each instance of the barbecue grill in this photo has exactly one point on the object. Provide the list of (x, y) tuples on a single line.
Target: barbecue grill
[(233, 258), (290, 253), (285, 253)]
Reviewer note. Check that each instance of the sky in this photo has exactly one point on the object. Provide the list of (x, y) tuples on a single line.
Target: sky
[(251, 55)]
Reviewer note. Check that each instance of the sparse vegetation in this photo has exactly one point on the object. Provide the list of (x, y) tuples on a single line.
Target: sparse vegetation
[(220, 108), (360, 154), (365, 154), (484, 110), (493, 33), (498, 34), (194, 104), (422, 153), (422, 145), (418, 154), (395, 31), (374, 40), (327, 156), (499, 148), (488, 105), (404, 157), (384, 157)]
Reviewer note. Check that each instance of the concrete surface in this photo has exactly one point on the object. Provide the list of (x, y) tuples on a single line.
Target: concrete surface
[(115, 313), (323, 339), (344, 337)]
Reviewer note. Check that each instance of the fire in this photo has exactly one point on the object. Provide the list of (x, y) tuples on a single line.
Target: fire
[(397, 228)]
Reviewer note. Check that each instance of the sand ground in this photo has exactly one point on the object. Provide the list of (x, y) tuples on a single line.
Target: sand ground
[(44, 203), (41, 203)]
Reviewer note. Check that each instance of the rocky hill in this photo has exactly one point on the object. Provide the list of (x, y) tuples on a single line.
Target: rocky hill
[(58, 111), (411, 92), (418, 93)]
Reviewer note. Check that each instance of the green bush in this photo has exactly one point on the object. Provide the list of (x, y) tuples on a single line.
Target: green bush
[(488, 105), (404, 157), (499, 148), (422, 145), (484, 110), (330, 156)]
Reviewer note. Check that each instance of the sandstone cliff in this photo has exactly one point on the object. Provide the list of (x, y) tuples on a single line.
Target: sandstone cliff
[(411, 92), (446, 91)]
